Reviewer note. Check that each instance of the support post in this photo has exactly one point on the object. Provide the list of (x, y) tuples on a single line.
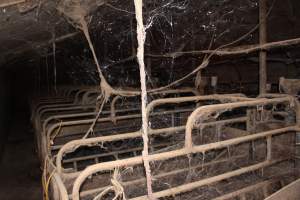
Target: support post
[(262, 41)]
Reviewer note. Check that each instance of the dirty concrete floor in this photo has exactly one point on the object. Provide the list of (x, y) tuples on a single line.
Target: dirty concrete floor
[(20, 174)]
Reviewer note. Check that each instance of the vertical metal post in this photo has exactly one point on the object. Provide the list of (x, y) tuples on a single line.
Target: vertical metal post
[(297, 146), (250, 127), (262, 41)]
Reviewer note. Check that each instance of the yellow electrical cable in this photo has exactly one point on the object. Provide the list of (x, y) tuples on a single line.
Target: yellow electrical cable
[(58, 130), (47, 185), (44, 178), (46, 181)]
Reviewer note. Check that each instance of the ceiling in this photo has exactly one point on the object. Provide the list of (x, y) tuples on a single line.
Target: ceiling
[(29, 27)]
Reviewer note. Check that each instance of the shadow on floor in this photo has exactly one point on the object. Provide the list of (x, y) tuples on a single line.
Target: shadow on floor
[(20, 174)]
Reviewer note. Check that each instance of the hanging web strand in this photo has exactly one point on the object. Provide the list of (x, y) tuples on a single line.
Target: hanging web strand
[(105, 87), (141, 37), (54, 59)]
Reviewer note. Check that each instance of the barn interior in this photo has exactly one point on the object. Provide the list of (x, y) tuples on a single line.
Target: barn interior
[(149, 99)]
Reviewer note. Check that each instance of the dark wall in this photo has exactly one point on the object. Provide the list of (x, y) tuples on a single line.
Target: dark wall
[(5, 114)]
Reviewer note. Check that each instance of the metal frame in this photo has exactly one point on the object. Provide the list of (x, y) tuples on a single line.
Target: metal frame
[(62, 178), (190, 148)]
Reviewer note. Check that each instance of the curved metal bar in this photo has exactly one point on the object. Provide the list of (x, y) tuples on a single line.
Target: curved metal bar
[(85, 96), (189, 148), (153, 104), (71, 146), (57, 182), (176, 153), (77, 101), (106, 119), (219, 108), (150, 107), (174, 91), (221, 98)]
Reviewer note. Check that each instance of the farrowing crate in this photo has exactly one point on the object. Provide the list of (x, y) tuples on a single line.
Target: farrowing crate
[(75, 125), (266, 123)]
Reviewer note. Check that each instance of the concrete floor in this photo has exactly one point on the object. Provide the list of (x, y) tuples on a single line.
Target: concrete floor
[(20, 174)]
